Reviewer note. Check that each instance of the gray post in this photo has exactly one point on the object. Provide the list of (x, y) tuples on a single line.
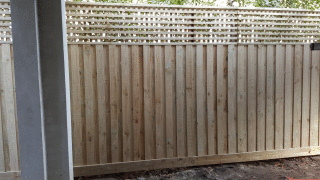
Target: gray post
[(42, 89)]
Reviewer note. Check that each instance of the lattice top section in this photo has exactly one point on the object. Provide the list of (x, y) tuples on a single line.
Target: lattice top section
[(150, 24), (5, 22), (116, 23)]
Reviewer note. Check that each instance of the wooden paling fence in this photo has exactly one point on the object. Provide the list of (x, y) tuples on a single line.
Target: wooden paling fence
[(140, 107), (145, 107), (9, 158), (173, 86)]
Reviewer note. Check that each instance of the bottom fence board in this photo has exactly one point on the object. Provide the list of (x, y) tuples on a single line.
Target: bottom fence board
[(192, 161), (13, 175)]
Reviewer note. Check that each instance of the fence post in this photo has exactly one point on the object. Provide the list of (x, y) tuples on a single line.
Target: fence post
[(42, 89)]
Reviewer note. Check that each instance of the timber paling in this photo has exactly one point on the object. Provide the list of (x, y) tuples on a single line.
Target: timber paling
[(171, 86)]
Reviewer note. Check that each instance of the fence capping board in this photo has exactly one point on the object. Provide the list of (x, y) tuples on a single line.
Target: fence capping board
[(189, 6), (177, 44)]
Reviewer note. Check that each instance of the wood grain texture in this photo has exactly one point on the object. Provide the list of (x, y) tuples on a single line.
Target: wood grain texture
[(2, 158), (126, 85), (288, 109), (115, 103), (149, 112), (297, 100), (305, 130), (160, 113), (222, 106), (76, 105), (103, 94), (8, 109), (201, 101), (170, 100), (279, 97), (191, 100), (314, 102), (212, 98), (232, 95), (160, 106), (261, 98), (182, 149), (137, 103), (252, 98), (193, 161), (90, 83), (270, 101), (242, 123)]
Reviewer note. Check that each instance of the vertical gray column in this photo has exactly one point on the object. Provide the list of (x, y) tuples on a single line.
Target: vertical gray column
[(42, 89)]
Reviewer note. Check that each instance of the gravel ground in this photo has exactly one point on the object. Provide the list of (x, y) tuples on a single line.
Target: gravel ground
[(297, 168)]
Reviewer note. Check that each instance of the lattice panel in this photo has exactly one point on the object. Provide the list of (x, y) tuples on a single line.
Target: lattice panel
[(5, 21), (116, 23), (146, 24)]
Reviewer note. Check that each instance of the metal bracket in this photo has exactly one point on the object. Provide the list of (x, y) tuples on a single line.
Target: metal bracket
[(315, 46)]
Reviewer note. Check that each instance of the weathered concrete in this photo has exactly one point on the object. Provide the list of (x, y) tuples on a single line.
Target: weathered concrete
[(42, 86)]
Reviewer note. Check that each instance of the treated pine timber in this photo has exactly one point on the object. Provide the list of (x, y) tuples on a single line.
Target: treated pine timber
[(297, 100), (191, 100), (127, 124), (306, 96), (279, 97), (2, 157), (160, 102), (170, 100), (212, 98), (201, 101), (103, 94), (115, 103), (222, 109), (270, 98), (2, 161), (76, 105), (187, 81), (193, 161), (10, 175), (314, 102), (181, 101), (232, 95), (288, 109), (252, 98), (7, 98), (90, 104), (261, 98), (137, 93), (148, 82), (242, 124)]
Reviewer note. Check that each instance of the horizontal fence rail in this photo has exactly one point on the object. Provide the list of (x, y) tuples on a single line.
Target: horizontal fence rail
[(146, 24)]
